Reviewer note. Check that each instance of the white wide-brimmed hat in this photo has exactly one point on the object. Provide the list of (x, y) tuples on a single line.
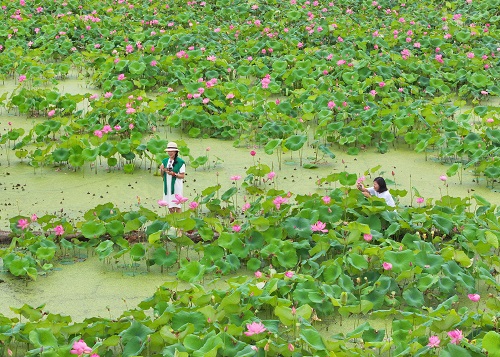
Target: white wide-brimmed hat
[(172, 146)]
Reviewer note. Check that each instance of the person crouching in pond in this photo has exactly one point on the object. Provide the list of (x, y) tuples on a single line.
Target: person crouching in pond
[(379, 189), (173, 170)]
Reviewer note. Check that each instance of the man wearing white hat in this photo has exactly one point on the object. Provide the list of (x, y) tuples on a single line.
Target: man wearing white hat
[(173, 170)]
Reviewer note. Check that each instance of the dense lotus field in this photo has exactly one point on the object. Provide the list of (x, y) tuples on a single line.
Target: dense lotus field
[(357, 74)]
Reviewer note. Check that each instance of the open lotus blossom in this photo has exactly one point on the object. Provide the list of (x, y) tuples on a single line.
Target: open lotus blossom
[(80, 347), (474, 297), (271, 175), (420, 200), (289, 274), (23, 223), (236, 228), (162, 203), (434, 342), (245, 207), (278, 201), (34, 217), (179, 199), (387, 266), (258, 274), (326, 199), (255, 328), (59, 230), (367, 237), (319, 227), (361, 179), (22, 78), (456, 336), (193, 205), (236, 178)]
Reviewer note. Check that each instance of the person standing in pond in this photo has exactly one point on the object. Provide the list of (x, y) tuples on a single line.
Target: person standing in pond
[(173, 170), (379, 189)]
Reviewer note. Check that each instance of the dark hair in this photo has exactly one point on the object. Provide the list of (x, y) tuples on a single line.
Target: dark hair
[(382, 186), (175, 157)]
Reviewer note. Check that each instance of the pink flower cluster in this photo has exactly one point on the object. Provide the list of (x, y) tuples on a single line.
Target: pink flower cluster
[(266, 81)]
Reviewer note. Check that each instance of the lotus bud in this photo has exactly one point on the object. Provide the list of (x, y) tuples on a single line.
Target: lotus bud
[(343, 298), (358, 280), (424, 236)]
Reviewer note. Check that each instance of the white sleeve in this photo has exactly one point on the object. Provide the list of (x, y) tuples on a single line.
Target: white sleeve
[(182, 170), (371, 191)]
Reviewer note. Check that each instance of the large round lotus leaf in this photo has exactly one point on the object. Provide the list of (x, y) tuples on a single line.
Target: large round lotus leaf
[(18, 100), (244, 70), (107, 149), (115, 228), (52, 97), (285, 107), (414, 297), (76, 160), (136, 67), (271, 146), (137, 252), (120, 65), (280, 66), (93, 229), (60, 154), (308, 107), (156, 146), (164, 258), (295, 142), (350, 77), (492, 172), (493, 135), (479, 80), (123, 147), (90, 155), (481, 110), (463, 36)]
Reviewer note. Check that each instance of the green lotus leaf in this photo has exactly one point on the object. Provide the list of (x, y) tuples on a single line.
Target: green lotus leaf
[(120, 65), (90, 155), (137, 252), (272, 145), (43, 337), (287, 256), (135, 338), (115, 228), (228, 194), (76, 160), (254, 264), (104, 249), (463, 36), (93, 229), (124, 146), (491, 343), (163, 258), (350, 77), (191, 271), (401, 261), (45, 253), (479, 80), (136, 67), (107, 149), (60, 154), (53, 125), (414, 297), (295, 142), (312, 337), (297, 227), (156, 146)]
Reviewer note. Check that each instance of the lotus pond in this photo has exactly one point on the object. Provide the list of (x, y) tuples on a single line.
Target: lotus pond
[(278, 108)]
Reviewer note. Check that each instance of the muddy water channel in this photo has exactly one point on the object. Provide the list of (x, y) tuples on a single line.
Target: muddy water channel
[(87, 287)]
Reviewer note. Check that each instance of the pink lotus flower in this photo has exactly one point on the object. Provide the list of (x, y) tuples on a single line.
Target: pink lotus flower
[(367, 237), (34, 217), (443, 178), (387, 266), (291, 348), (381, 84), (236, 178), (153, 63), (331, 104), (51, 113), (59, 230), (319, 227), (179, 199), (434, 342), (258, 274), (108, 95), (236, 228), (253, 153), (326, 199), (80, 347), (289, 274), (193, 205), (107, 129), (255, 328), (23, 223), (117, 127), (162, 203), (230, 96), (271, 175), (98, 133), (456, 336), (131, 126), (474, 297), (361, 179), (121, 77), (245, 207), (490, 120), (22, 78), (278, 201), (420, 200)]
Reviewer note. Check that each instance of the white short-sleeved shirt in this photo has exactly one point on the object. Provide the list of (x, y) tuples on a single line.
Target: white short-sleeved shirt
[(386, 195)]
